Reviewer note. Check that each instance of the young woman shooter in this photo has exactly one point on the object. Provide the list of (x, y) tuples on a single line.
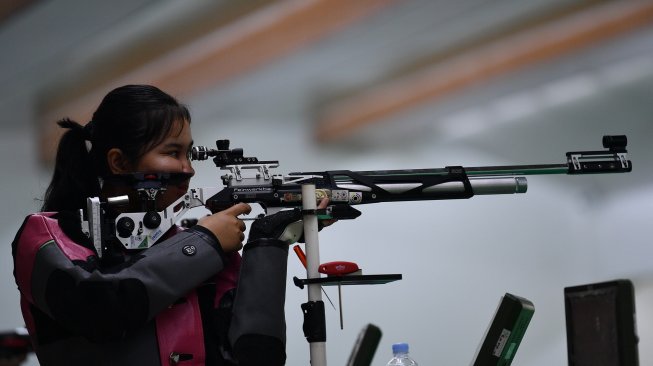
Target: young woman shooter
[(190, 299)]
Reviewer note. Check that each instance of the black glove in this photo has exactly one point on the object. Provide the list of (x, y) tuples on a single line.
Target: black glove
[(286, 226), (258, 326)]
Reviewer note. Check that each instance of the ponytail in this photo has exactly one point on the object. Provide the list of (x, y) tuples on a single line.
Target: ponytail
[(75, 177)]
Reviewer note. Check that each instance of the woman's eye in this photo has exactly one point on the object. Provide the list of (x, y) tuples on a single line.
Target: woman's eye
[(174, 154)]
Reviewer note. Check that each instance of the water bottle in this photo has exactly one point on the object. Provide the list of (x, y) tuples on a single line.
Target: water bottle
[(401, 357)]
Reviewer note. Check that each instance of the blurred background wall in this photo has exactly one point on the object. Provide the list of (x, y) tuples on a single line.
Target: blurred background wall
[(384, 84)]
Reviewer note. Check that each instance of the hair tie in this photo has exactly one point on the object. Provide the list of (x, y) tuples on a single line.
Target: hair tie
[(88, 136), (88, 131)]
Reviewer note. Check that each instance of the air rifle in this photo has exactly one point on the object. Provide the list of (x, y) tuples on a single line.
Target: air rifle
[(346, 188), (251, 180)]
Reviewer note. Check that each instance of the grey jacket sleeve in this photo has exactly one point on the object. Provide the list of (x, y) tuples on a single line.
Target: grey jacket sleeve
[(107, 302)]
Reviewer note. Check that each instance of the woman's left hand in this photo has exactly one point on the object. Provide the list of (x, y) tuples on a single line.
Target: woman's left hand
[(324, 203)]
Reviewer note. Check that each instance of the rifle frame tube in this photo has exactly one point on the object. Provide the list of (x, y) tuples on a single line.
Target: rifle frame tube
[(480, 186)]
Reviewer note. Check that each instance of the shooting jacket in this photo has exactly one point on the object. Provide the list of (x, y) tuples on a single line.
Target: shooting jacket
[(167, 305)]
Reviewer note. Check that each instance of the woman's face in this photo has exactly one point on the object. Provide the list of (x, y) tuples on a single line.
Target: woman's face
[(170, 156)]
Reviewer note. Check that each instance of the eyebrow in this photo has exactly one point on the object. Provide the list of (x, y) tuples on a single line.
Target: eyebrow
[(176, 145)]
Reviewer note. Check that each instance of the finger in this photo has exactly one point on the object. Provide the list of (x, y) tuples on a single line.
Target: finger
[(241, 225), (238, 209), (324, 202), (242, 238)]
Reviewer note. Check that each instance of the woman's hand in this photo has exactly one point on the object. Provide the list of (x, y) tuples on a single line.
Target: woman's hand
[(322, 205), (227, 227)]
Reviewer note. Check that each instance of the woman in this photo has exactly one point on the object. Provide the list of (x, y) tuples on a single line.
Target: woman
[(159, 306)]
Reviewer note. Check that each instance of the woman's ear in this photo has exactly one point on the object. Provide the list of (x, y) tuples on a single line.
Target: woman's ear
[(117, 161)]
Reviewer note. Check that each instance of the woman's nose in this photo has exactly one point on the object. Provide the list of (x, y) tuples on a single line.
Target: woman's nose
[(187, 167)]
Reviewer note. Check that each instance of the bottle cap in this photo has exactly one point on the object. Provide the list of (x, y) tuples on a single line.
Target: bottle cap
[(400, 348)]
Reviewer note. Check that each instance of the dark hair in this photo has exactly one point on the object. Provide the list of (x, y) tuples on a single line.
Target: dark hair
[(132, 118)]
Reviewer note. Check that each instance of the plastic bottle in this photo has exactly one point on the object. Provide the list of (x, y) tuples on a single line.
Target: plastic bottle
[(401, 356)]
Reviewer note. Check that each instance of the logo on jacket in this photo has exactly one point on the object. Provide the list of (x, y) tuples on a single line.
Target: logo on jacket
[(189, 250)]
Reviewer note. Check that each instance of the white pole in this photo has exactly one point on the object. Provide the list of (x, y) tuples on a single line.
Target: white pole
[(309, 204)]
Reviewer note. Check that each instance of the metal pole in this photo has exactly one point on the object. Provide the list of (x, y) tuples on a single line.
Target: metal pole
[(309, 205)]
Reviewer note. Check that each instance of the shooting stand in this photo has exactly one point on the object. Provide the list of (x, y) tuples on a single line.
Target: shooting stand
[(314, 318)]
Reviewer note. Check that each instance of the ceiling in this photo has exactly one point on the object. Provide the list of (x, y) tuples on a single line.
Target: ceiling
[(63, 51)]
